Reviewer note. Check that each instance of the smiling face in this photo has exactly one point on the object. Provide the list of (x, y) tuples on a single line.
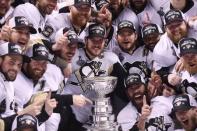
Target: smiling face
[(187, 119), (36, 68), (136, 93), (190, 60), (11, 66), (80, 15), (176, 30), (46, 7), (94, 46), (20, 36), (151, 40), (68, 51), (126, 39)]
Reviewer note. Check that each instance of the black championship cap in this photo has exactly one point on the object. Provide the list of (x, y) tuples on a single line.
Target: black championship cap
[(96, 30), (21, 21), (188, 45), (82, 2), (172, 16), (38, 52), (10, 49), (134, 78), (100, 3), (126, 24), (183, 102), (150, 29), (26, 121)]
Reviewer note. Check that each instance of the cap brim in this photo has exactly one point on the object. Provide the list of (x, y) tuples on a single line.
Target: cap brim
[(77, 41), (132, 29), (182, 108), (27, 126), (96, 35), (82, 3), (133, 83), (40, 58), (175, 20), (188, 51), (32, 30)]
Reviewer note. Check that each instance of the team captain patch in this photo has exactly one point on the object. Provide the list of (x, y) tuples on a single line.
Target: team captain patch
[(48, 30)]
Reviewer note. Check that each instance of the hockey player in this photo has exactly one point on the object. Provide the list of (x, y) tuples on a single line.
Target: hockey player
[(143, 113), (176, 29), (119, 13), (127, 47), (36, 14), (38, 76), (145, 12), (77, 19), (18, 31), (93, 61), (11, 63), (186, 80), (5, 11), (185, 108)]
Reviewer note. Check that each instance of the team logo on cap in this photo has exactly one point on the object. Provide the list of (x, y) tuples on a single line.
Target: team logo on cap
[(16, 49), (42, 51), (21, 20), (188, 44), (173, 14)]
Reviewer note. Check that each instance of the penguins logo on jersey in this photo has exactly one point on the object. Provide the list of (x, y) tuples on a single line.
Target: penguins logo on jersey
[(158, 124), (189, 88), (138, 67), (14, 106), (48, 31), (90, 69), (2, 106)]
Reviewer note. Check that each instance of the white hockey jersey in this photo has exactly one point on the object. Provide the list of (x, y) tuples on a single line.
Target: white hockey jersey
[(84, 67), (158, 120), (7, 103)]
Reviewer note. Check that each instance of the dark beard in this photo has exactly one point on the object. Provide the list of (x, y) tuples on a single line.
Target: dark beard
[(30, 74)]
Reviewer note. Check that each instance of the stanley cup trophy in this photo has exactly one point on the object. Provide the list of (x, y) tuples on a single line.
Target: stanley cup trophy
[(102, 118)]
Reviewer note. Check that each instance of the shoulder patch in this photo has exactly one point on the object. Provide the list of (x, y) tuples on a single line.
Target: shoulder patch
[(48, 31)]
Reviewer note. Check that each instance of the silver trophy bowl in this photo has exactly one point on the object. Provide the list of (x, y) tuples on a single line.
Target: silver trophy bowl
[(101, 85), (102, 118)]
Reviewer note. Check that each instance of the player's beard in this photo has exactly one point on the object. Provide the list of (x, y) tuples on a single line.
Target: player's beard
[(79, 19), (35, 74), (176, 36), (10, 75)]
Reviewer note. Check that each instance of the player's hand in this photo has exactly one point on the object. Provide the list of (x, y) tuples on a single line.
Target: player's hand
[(146, 109), (154, 85), (179, 66), (145, 112), (50, 104), (104, 15), (6, 32), (62, 41), (80, 100), (33, 109), (174, 79)]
